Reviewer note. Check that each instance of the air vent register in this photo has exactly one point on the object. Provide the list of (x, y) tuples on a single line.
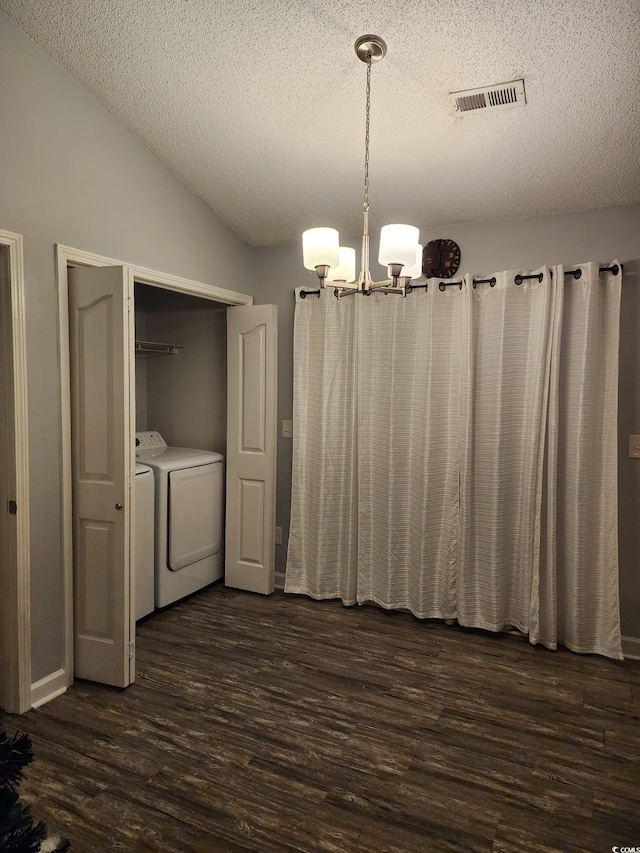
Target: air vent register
[(502, 95)]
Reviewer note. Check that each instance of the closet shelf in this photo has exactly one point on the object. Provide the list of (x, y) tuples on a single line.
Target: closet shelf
[(149, 349)]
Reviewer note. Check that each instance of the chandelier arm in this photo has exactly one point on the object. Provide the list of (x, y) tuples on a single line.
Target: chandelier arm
[(341, 292), (399, 290)]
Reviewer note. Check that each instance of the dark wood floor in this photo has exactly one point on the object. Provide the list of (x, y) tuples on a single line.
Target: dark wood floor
[(279, 724)]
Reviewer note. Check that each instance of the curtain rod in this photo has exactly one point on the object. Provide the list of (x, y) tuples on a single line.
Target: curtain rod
[(577, 273)]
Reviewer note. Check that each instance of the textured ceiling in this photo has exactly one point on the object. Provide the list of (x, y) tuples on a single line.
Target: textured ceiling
[(258, 106)]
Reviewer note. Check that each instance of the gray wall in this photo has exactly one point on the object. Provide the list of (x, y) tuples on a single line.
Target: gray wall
[(186, 394), (71, 174), (600, 235)]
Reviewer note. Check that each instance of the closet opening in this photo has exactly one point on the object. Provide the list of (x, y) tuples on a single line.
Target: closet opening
[(181, 393), (180, 401), (206, 379)]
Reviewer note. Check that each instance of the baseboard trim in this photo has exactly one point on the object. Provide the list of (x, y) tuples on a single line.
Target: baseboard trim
[(631, 647), (48, 688), (279, 580)]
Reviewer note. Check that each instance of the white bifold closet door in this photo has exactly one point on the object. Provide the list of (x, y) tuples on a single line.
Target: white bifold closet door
[(252, 396), (102, 459)]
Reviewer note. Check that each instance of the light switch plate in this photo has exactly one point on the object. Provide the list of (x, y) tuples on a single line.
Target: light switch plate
[(634, 447)]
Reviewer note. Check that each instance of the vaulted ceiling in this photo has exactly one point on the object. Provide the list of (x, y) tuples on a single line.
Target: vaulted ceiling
[(258, 106)]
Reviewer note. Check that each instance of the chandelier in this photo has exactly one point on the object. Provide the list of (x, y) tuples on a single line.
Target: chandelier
[(399, 251)]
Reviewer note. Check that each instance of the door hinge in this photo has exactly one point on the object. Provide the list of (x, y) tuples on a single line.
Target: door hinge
[(131, 479), (13, 508), (131, 650), (129, 303)]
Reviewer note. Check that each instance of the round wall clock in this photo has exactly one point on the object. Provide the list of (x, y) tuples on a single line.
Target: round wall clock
[(440, 259)]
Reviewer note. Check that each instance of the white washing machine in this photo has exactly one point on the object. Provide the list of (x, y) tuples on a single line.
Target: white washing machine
[(144, 567), (188, 518)]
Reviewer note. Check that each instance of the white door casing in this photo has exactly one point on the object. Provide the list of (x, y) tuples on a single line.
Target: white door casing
[(100, 303), (251, 447), (7, 479), (15, 617)]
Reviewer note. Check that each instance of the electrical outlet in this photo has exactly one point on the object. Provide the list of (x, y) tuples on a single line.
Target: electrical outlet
[(287, 429), (278, 536), (634, 447)]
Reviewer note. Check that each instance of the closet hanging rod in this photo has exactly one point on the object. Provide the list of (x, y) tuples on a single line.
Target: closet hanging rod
[(155, 348)]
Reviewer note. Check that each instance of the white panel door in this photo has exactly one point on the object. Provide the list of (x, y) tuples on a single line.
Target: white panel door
[(252, 385), (99, 342)]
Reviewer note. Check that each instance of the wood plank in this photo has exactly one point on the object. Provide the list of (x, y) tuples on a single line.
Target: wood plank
[(284, 724)]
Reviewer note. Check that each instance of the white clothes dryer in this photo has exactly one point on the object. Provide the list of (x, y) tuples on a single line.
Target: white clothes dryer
[(188, 516)]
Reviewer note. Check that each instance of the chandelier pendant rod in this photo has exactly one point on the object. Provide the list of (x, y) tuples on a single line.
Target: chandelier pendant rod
[(370, 49), (364, 281)]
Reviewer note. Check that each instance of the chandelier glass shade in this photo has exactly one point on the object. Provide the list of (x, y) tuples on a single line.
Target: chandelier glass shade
[(399, 248), (414, 270), (320, 248), (346, 269), (398, 245)]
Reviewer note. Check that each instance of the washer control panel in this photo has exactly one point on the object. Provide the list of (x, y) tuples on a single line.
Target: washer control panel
[(149, 441)]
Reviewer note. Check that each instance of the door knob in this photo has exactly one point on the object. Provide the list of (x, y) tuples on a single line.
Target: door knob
[(118, 506)]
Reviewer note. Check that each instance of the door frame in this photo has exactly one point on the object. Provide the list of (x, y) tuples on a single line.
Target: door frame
[(70, 257), (15, 609)]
